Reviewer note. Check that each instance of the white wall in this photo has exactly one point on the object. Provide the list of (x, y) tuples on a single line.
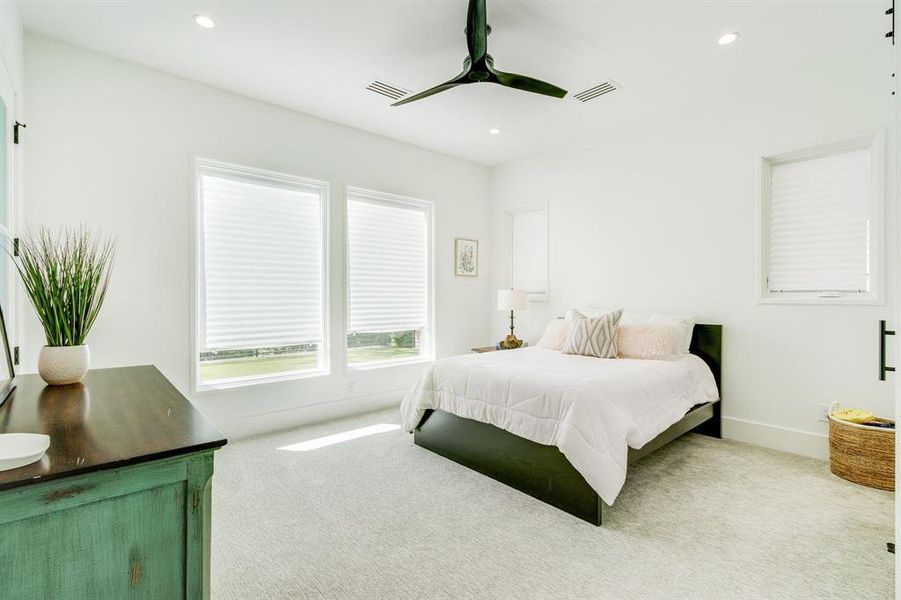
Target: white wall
[(659, 214), (11, 43), (111, 144)]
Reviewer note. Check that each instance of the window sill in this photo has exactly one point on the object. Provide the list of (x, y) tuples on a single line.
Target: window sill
[(817, 300), (202, 389), (369, 366)]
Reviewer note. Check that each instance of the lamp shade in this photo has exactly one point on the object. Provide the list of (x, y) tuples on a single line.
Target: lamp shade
[(512, 300)]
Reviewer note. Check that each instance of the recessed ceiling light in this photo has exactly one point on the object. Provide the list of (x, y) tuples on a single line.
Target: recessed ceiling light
[(204, 21), (728, 38), (494, 131)]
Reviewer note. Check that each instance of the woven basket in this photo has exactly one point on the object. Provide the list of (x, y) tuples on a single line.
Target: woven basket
[(862, 454)]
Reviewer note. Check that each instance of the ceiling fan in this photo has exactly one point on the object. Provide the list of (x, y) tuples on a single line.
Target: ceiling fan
[(478, 67)]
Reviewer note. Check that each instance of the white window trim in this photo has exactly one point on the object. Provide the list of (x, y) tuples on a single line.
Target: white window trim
[(205, 165), (875, 142), (522, 208), (392, 362), (427, 353)]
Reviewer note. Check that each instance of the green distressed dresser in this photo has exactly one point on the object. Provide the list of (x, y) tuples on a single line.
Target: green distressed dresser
[(119, 507)]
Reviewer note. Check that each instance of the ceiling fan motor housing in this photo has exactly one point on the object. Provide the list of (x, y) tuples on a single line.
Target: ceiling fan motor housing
[(487, 30), (478, 67), (476, 73)]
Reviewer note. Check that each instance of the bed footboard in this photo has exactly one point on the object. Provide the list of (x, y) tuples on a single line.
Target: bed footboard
[(535, 469)]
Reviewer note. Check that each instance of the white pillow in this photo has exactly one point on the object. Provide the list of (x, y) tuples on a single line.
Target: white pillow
[(554, 334), (592, 337), (648, 340), (685, 325)]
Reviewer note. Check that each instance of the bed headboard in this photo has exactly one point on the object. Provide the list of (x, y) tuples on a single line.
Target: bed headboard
[(707, 343)]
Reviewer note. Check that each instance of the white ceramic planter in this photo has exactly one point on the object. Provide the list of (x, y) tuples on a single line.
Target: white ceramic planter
[(62, 365)]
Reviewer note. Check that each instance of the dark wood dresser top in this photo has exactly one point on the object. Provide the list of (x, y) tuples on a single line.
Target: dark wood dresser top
[(114, 418)]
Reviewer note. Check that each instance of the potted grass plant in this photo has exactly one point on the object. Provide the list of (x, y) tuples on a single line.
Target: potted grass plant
[(65, 276)]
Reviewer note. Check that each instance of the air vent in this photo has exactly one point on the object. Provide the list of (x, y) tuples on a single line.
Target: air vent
[(386, 89), (605, 87)]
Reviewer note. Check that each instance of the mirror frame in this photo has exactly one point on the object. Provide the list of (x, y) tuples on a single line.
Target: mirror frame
[(6, 387)]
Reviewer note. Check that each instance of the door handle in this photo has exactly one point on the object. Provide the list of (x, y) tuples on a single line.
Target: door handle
[(882, 333)]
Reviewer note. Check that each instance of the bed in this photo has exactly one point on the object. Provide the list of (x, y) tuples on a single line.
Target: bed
[(563, 428)]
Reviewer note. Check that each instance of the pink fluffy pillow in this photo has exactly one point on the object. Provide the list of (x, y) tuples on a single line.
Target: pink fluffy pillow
[(554, 334), (648, 340)]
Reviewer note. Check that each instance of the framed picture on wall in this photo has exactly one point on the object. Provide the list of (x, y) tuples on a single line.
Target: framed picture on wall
[(466, 258)]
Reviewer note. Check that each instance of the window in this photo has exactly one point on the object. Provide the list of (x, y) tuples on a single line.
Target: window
[(260, 275), (389, 278), (529, 235), (823, 218)]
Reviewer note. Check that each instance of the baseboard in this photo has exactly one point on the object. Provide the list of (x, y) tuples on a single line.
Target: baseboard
[(806, 443), (777, 437), (247, 426)]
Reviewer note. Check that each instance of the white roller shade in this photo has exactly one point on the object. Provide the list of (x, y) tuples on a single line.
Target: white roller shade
[(262, 263), (388, 265), (819, 224)]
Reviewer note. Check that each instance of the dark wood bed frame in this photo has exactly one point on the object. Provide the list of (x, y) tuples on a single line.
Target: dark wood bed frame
[(542, 471)]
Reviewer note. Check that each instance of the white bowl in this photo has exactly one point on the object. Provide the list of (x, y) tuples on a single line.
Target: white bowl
[(20, 449)]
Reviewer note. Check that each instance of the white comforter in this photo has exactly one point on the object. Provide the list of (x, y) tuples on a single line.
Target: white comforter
[(592, 409)]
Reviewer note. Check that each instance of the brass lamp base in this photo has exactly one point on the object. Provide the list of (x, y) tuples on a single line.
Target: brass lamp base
[(510, 342)]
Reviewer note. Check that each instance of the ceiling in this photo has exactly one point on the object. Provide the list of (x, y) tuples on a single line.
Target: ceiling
[(317, 57)]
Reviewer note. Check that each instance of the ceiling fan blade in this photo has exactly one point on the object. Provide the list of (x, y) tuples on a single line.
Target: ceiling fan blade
[(460, 79), (477, 31), (526, 84)]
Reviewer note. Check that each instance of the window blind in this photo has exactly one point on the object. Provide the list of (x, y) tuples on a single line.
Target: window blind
[(388, 266), (262, 264), (819, 224)]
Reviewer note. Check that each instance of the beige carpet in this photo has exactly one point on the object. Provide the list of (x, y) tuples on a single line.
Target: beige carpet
[(378, 517)]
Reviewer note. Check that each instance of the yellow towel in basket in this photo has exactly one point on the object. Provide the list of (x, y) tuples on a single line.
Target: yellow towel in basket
[(853, 415)]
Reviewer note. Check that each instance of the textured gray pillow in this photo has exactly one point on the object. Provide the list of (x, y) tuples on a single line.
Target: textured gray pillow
[(592, 336)]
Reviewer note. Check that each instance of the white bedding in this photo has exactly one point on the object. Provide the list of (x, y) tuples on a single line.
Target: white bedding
[(592, 409)]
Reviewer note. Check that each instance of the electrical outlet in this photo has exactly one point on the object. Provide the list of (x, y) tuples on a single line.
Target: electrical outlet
[(350, 387), (823, 413)]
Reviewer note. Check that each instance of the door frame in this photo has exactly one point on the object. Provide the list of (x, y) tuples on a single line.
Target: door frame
[(895, 197), (12, 302)]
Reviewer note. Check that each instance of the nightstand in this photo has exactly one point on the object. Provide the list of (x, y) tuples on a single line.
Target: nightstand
[(493, 349)]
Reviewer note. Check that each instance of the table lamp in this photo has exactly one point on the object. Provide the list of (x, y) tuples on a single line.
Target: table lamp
[(511, 300)]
